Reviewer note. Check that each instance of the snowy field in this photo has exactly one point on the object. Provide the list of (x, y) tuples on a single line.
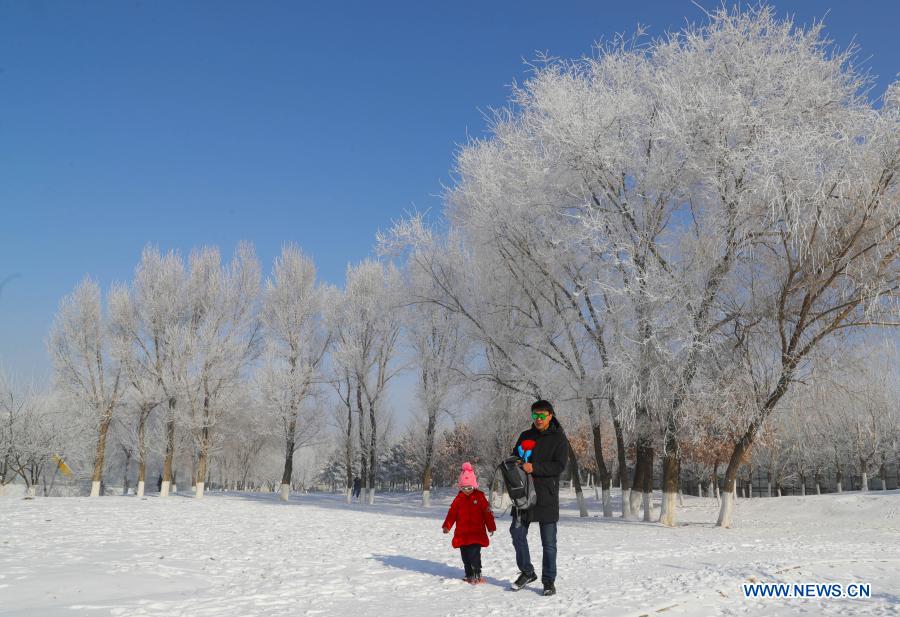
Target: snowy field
[(245, 555)]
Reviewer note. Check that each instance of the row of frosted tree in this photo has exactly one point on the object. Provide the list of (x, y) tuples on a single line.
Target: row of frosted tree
[(690, 244)]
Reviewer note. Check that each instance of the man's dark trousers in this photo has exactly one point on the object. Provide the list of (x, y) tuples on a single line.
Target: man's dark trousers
[(523, 557)]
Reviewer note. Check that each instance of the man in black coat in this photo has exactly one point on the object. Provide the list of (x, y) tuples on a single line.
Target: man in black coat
[(545, 449)]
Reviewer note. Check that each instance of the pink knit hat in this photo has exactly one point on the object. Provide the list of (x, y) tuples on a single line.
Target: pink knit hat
[(467, 477)]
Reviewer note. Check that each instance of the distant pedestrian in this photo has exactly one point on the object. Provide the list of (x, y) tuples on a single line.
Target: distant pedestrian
[(357, 487)]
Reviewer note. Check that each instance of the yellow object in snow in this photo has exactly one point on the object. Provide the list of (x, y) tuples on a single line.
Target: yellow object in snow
[(61, 464)]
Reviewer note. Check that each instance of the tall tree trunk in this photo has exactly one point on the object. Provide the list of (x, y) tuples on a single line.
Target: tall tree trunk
[(202, 462), (637, 486), (373, 452), (623, 468), (170, 450), (100, 452), (647, 494), (429, 457), (348, 451), (127, 453), (576, 481), (602, 471), (289, 443), (198, 475), (742, 447), (715, 478), (142, 454), (363, 449), (670, 479), (737, 456)]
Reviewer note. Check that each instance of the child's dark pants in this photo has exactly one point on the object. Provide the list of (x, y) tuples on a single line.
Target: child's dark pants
[(471, 556)]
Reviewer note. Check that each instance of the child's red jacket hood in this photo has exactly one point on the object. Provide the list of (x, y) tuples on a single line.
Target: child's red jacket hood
[(472, 515)]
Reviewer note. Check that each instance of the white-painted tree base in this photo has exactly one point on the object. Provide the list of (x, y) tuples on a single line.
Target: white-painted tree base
[(626, 505), (426, 499), (818, 489), (634, 502), (883, 485), (174, 488), (647, 503), (680, 499), (667, 511), (725, 510), (840, 488), (198, 490), (31, 492), (164, 489), (284, 492), (865, 483), (582, 508), (349, 495), (140, 488), (95, 488), (607, 503), (371, 499)]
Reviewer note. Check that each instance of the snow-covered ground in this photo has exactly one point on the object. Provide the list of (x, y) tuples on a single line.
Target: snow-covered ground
[(244, 555)]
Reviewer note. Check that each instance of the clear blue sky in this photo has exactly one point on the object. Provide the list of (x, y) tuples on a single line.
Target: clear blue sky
[(190, 123)]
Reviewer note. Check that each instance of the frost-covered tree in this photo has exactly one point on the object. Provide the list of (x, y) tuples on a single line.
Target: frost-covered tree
[(297, 338), (367, 335), (151, 317), (222, 337), (85, 370), (144, 392), (727, 198), (439, 345), (344, 385), (826, 255), (32, 432)]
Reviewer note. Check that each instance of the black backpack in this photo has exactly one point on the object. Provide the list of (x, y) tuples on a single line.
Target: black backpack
[(519, 485)]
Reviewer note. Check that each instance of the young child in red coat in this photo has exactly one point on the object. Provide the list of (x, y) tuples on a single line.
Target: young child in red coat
[(471, 513)]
